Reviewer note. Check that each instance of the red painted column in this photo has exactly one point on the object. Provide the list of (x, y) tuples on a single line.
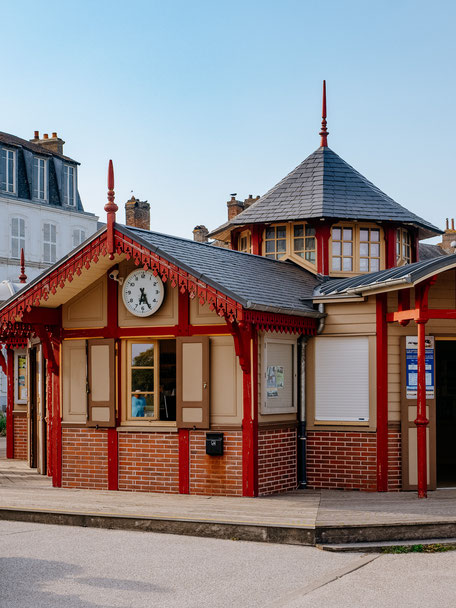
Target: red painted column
[(10, 405), (323, 234), (113, 438), (234, 239), (257, 232), (382, 393), (390, 247), (184, 461), (50, 419), (421, 419), (113, 459), (250, 413), (183, 305), (57, 423)]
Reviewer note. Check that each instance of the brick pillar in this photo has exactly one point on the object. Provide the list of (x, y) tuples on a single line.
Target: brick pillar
[(137, 213)]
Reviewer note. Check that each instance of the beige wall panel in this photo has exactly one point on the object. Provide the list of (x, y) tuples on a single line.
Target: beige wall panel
[(351, 318), (203, 315), (74, 396), (100, 373), (167, 314), (88, 309), (192, 372), (226, 382)]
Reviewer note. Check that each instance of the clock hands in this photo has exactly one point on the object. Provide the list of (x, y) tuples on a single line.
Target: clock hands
[(143, 298)]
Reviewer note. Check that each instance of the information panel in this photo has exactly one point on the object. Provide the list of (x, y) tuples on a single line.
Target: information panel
[(411, 363)]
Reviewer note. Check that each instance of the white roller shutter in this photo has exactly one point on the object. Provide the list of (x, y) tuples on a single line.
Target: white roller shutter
[(342, 379)]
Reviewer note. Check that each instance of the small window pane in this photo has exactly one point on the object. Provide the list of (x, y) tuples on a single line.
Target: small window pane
[(270, 246), (337, 248), (310, 256), (310, 243), (142, 380), (299, 230), (310, 231), (364, 249), (281, 232), (142, 405), (348, 248), (348, 234), (363, 235), (375, 265), (375, 250), (281, 245), (375, 235), (364, 264), (270, 233), (336, 264), (299, 244), (142, 355), (336, 234), (347, 264)]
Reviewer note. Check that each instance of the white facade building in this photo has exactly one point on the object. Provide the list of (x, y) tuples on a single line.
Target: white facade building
[(40, 209)]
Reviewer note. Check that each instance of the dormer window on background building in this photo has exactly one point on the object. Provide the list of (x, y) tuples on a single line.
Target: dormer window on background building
[(39, 178), (17, 236), (49, 243), (7, 170), (69, 185)]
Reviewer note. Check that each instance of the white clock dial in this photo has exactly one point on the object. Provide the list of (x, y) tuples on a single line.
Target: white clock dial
[(142, 293)]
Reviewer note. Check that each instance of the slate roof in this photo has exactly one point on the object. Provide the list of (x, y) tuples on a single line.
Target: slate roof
[(408, 274), (325, 186), (18, 142), (255, 282), (428, 252)]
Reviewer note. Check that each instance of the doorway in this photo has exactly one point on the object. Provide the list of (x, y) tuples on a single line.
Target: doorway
[(33, 410), (445, 376)]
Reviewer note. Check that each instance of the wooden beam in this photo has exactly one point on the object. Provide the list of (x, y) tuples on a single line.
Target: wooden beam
[(382, 393)]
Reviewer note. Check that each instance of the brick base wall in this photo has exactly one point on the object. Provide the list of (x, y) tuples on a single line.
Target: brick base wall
[(20, 437), (394, 461), (277, 460), (149, 462), (342, 460), (85, 458), (216, 475)]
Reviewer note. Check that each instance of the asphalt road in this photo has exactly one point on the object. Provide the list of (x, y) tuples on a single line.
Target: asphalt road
[(53, 566)]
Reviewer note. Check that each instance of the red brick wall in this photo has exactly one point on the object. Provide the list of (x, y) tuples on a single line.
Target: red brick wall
[(277, 460), (149, 462), (85, 458), (394, 461), (20, 437), (342, 460), (216, 475)]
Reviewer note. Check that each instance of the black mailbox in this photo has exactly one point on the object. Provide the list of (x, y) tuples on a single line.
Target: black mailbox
[(214, 444)]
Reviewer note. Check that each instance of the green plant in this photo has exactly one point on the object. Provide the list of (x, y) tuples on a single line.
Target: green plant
[(2, 424), (432, 548)]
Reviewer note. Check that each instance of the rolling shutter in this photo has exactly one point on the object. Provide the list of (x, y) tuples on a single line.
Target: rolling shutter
[(192, 383), (101, 403), (342, 379)]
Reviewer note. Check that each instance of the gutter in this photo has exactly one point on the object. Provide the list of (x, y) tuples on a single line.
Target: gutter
[(283, 311)]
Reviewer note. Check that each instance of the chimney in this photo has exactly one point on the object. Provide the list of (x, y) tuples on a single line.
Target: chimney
[(234, 207), (137, 213), (249, 201), (200, 234), (54, 144), (448, 237)]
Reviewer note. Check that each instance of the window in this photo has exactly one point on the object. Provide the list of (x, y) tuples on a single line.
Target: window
[(69, 185), (17, 236), (151, 382), (49, 243), (342, 379), (275, 242), (403, 247), (304, 242), (7, 170), (245, 242), (79, 237), (342, 249), (39, 179), (280, 375), (20, 377), (369, 249)]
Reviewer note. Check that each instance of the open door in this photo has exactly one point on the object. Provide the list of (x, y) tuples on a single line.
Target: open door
[(32, 408), (192, 373)]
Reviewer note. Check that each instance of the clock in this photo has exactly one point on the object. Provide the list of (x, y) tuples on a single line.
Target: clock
[(142, 293)]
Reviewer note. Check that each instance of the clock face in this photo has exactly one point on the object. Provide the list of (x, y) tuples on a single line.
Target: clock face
[(142, 293)]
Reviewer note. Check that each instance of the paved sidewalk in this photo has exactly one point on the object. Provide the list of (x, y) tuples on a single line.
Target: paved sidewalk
[(339, 516)]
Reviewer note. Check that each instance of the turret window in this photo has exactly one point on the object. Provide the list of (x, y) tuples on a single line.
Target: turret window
[(342, 249), (403, 247), (369, 249), (275, 242), (304, 242), (245, 244)]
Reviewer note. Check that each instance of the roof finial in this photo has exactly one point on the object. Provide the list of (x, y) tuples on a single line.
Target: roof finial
[(22, 276), (110, 209), (324, 131)]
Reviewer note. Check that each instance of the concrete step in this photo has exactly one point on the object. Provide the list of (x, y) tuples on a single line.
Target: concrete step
[(380, 546)]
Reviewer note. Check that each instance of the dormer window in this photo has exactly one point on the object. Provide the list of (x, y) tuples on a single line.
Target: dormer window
[(7, 170), (49, 243), (275, 242), (369, 249), (39, 179), (17, 236), (69, 185), (342, 249), (245, 241), (403, 247), (356, 249), (304, 242), (79, 237)]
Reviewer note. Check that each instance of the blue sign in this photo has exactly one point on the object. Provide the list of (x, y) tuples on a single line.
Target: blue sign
[(411, 367)]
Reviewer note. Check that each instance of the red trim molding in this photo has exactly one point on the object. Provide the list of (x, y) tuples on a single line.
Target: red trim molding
[(10, 405), (265, 321)]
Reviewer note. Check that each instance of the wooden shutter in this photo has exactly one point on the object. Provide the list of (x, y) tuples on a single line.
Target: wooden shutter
[(101, 403), (192, 382)]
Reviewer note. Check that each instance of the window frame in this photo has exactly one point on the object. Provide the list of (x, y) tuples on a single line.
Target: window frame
[(245, 234), (402, 260), (289, 243), (273, 256), (266, 407), (49, 242), (356, 228), (21, 240), (14, 181), (305, 238), (66, 188), (36, 189), (79, 230)]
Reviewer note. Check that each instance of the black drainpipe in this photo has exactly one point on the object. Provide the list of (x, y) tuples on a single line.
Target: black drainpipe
[(302, 475)]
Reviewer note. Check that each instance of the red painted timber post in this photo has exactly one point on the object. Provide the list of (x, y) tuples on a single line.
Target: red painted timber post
[(249, 365), (323, 234), (257, 232), (390, 246), (10, 405), (57, 422), (382, 393), (421, 419), (49, 417), (113, 437), (183, 329)]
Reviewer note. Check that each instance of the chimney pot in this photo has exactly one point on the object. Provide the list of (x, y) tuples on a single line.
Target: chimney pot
[(37, 134), (46, 136), (54, 136), (200, 234), (447, 224), (452, 223)]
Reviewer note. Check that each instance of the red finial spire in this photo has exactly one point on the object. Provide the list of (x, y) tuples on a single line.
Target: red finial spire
[(22, 276), (110, 209), (324, 131)]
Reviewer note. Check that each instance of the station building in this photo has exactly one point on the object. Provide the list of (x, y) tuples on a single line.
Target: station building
[(315, 350)]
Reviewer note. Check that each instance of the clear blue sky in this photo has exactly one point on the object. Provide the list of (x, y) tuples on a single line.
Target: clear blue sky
[(196, 100)]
